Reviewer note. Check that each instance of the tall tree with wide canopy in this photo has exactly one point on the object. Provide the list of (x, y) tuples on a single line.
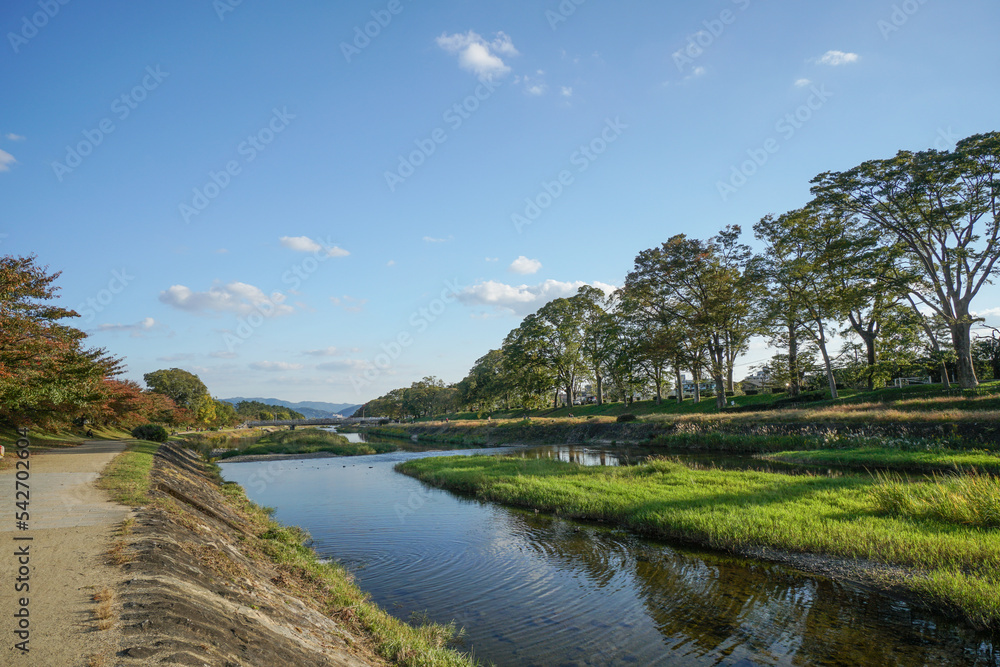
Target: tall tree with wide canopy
[(942, 207), (185, 388), (707, 285)]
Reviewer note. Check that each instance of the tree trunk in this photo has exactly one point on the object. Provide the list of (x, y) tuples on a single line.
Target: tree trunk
[(961, 336), (945, 380), (555, 403), (729, 379), (680, 384), (720, 392), (829, 368), (696, 373), (600, 390), (793, 361), (869, 339)]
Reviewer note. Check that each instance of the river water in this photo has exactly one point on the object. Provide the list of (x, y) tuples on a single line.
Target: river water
[(532, 589)]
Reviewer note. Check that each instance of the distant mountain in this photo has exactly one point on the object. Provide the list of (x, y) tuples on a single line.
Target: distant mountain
[(311, 409)]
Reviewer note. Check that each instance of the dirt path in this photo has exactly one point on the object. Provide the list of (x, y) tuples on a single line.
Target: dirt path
[(71, 525)]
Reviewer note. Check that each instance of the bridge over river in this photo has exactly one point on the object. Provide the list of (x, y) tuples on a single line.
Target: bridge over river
[(323, 421)]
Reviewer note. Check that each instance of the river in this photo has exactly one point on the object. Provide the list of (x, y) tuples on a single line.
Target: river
[(532, 589)]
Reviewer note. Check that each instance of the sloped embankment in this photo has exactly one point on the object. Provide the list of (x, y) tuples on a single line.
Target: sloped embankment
[(212, 580), (194, 597)]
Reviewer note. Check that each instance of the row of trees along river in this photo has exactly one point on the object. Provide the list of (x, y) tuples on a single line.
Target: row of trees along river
[(890, 254)]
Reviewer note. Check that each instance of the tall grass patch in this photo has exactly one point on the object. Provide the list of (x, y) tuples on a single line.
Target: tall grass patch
[(970, 499)]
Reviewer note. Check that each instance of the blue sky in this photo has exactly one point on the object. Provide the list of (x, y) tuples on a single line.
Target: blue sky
[(260, 193)]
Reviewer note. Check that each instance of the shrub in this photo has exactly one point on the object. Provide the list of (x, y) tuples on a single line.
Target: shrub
[(750, 392), (626, 418), (151, 432)]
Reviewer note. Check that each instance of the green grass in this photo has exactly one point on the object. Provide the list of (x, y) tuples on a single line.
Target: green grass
[(307, 441), (954, 564), (332, 587), (895, 459), (968, 499), (127, 475)]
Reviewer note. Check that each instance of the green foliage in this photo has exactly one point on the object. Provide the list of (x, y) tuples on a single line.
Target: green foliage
[(257, 411), (307, 441), (626, 418), (971, 499), (186, 389), (151, 432)]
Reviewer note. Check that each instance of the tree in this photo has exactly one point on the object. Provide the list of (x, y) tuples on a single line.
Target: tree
[(802, 246), (46, 373), (186, 389), (597, 335), (942, 207), (710, 286)]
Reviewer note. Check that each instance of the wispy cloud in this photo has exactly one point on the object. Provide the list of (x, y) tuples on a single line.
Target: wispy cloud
[(14, 137), (306, 244), (324, 352), (236, 297), (345, 365), (802, 83), (835, 58), (477, 55), (6, 159), (349, 303), (431, 239), (523, 299), (137, 329), (275, 366)]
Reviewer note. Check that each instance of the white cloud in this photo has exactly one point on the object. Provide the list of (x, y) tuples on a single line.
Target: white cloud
[(222, 251), (537, 89), (6, 159), (14, 137), (989, 312), (477, 55), (492, 259), (239, 298), (224, 355), (324, 352), (275, 366), (801, 83), (524, 266), (523, 299), (431, 239), (391, 262), (306, 244), (566, 91), (835, 58)]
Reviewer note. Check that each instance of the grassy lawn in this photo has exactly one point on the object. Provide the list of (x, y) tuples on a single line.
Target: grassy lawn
[(954, 565)]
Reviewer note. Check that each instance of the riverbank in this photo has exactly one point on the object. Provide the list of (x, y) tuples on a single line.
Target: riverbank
[(212, 579), (838, 526)]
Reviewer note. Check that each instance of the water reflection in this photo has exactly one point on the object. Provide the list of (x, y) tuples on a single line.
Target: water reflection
[(531, 589)]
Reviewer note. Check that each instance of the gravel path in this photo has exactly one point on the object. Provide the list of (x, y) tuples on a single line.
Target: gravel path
[(71, 526)]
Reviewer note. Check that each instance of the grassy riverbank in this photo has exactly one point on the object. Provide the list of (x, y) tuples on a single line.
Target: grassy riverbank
[(871, 458), (306, 441), (944, 563)]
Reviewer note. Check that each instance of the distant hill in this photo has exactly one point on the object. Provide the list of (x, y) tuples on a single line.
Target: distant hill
[(311, 409)]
